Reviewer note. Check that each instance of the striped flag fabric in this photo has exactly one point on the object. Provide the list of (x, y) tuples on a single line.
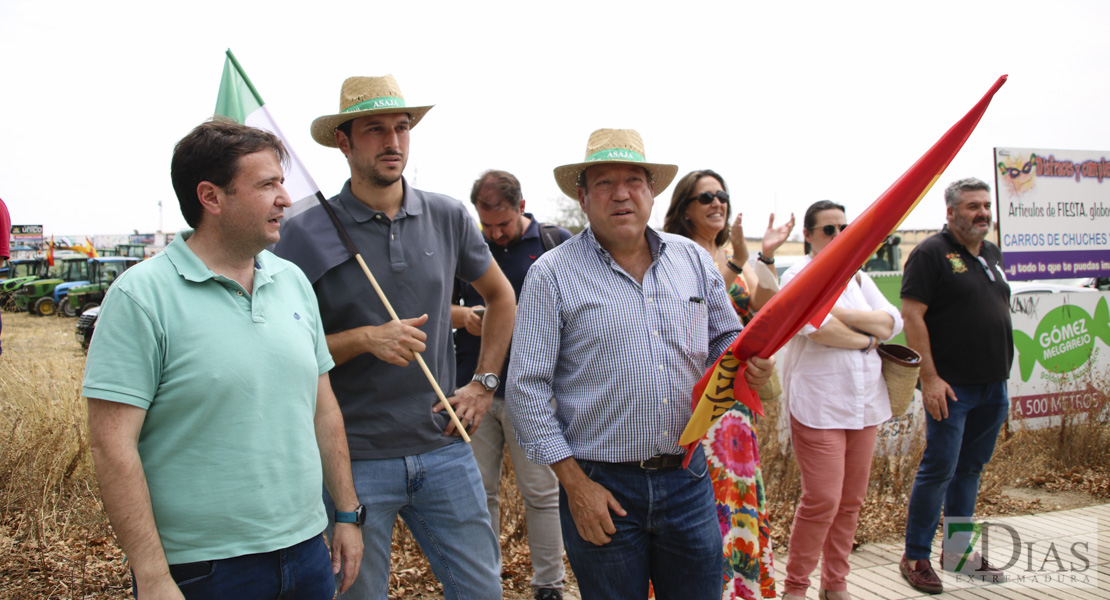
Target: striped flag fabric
[(240, 101), (812, 293)]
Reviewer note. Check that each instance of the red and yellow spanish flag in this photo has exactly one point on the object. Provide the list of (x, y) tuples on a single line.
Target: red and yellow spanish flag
[(50, 253), (811, 294), (90, 250)]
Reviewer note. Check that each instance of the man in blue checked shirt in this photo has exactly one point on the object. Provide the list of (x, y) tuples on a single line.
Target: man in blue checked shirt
[(615, 327)]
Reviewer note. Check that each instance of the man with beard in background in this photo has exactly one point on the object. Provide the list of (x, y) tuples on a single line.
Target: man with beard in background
[(956, 308)]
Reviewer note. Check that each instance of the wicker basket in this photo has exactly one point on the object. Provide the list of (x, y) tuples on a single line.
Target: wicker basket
[(901, 366)]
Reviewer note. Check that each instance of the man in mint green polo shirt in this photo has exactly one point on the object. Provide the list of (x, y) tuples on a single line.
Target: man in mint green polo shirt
[(212, 419)]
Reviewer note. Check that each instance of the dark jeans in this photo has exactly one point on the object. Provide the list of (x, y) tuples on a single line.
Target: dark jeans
[(299, 572), (956, 449), (670, 536)]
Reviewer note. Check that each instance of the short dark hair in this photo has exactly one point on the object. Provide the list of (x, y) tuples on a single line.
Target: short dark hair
[(810, 220), (504, 183), (345, 127), (955, 190), (211, 153), (675, 221)]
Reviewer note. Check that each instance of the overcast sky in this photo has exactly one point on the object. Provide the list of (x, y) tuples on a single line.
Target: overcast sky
[(791, 102)]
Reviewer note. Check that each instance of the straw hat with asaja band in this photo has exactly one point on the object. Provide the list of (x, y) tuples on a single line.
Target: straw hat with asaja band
[(364, 96), (608, 146)]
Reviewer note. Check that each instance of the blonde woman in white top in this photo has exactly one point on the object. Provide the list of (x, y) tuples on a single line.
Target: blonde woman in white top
[(834, 390)]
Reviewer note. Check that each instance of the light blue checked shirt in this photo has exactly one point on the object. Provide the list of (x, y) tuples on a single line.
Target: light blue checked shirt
[(618, 358)]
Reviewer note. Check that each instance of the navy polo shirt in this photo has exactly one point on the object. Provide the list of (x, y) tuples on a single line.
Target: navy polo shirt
[(514, 260)]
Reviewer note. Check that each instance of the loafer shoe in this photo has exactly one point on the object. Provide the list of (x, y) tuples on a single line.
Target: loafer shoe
[(974, 565), (920, 575)]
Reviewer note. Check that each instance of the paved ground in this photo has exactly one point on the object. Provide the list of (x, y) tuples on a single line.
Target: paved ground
[(1073, 536)]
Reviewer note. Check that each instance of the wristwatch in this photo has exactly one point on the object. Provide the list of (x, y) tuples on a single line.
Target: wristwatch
[(488, 380), (358, 517)]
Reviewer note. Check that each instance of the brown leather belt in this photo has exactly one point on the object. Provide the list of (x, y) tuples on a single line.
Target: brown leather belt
[(667, 461)]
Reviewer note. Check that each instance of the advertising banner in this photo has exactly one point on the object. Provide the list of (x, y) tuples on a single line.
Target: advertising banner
[(1053, 212), (29, 236), (1061, 357)]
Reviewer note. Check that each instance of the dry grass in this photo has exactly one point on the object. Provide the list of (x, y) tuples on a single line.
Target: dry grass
[(55, 541)]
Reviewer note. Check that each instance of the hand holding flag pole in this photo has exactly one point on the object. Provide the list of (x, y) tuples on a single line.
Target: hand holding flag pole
[(810, 296), (419, 359)]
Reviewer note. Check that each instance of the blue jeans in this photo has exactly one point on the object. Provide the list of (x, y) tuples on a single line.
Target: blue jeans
[(670, 536), (956, 449), (440, 497), (299, 572)]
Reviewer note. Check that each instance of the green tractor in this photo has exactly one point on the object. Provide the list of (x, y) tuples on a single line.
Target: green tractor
[(102, 272), (20, 272), (37, 296), (888, 258), (133, 250)]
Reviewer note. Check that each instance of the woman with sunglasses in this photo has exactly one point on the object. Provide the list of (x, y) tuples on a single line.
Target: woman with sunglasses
[(700, 210), (836, 397)]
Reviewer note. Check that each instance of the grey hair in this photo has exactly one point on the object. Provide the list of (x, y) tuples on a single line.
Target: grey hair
[(956, 189)]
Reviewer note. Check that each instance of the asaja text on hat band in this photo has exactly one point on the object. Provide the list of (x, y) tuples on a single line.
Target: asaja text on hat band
[(373, 103), (616, 154)]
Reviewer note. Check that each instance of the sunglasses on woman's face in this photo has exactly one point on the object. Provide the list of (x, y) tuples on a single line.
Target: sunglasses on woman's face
[(829, 230), (707, 197)]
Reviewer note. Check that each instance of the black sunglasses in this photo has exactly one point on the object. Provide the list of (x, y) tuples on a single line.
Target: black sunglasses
[(829, 230), (707, 197)]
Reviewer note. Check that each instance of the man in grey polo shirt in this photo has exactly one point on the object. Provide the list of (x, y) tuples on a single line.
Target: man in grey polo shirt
[(405, 456)]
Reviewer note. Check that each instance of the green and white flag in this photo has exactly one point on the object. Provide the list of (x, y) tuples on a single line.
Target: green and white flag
[(240, 101)]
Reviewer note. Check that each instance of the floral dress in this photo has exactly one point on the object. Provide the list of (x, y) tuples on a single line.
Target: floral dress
[(732, 450)]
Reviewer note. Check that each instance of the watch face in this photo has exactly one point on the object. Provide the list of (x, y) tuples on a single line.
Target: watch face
[(490, 381)]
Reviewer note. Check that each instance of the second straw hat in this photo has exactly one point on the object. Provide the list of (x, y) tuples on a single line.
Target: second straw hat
[(614, 146)]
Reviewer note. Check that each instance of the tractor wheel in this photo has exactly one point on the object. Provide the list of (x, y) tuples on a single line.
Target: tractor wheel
[(87, 306), (44, 306), (66, 309)]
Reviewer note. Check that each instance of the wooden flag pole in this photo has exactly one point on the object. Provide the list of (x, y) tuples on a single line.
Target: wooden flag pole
[(419, 358)]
